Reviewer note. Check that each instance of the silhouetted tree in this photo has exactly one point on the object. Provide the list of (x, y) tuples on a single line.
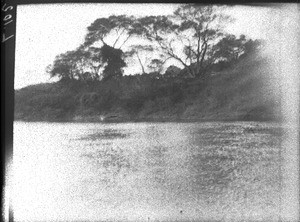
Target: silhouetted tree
[(188, 36), (113, 58), (78, 64), (113, 31), (230, 48)]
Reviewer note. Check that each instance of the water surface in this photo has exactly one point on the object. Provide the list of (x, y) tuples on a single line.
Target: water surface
[(147, 171)]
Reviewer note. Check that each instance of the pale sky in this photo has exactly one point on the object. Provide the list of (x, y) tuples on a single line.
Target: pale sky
[(46, 30)]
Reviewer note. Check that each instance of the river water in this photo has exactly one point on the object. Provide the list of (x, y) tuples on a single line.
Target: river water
[(147, 171)]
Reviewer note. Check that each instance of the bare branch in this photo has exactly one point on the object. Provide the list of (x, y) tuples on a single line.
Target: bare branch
[(118, 37), (166, 60), (125, 41), (143, 70)]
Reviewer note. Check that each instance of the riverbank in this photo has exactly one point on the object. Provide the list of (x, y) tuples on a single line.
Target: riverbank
[(97, 119), (246, 92)]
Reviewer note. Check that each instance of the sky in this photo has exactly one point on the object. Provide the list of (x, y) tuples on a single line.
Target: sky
[(46, 30)]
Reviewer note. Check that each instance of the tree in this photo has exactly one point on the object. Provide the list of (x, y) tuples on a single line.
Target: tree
[(62, 67), (67, 65), (77, 64), (231, 49), (188, 36), (113, 31), (113, 58), (95, 61), (86, 62)]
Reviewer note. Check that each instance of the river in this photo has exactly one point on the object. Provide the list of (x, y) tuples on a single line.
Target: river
[(228, 171)]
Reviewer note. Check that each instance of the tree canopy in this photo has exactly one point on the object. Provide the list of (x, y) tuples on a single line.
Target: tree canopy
[(115, 63), (193, 36), (188, 36), (114, 31)]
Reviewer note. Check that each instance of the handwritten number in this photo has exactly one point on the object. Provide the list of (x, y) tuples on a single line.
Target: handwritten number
[(7, 17), (7, 8), (8, 22), (5, 39)]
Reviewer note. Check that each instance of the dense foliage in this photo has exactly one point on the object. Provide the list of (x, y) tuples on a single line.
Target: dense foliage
[(241, 92)]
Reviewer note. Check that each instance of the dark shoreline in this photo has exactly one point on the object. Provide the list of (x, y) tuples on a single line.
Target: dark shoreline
[(238, 94), (155, 120)]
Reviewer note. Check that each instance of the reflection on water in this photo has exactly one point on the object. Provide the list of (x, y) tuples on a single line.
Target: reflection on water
[(105, 134), (147, 171)]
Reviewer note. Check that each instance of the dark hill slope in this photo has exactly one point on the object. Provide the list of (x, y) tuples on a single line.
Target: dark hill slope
[(249, 91)]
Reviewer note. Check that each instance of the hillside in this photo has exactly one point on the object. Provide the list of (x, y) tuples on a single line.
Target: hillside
[(248, 91)]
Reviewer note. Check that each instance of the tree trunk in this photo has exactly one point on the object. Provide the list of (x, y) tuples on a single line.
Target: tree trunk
[(143, 70), (202, 58)]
